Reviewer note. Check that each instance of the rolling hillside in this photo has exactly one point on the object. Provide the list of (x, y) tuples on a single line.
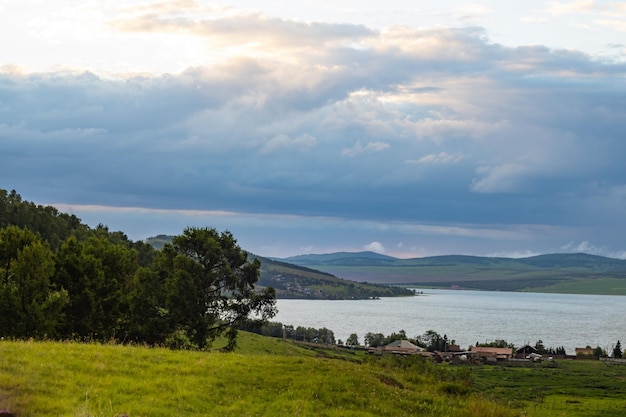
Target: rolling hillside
[(295, 281), (573, 273)]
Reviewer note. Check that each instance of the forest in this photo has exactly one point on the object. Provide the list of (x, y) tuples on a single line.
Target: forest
[(62, 280)]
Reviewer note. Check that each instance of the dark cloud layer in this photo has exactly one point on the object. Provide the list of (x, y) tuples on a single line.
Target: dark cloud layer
[(426, 126)]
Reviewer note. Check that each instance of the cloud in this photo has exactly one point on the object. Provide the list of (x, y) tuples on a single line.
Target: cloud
[(334, 121), (472, 11), (609, 15), (533, 19), (617, 25), (281, 142), (572, 7), (358, 148), (440, 158), (588, 247), (375, 247), (229, 27)]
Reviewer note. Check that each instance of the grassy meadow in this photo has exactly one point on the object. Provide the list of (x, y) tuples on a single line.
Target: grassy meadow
[(264, 377), (272, 377), (601, 286), (568, 388)]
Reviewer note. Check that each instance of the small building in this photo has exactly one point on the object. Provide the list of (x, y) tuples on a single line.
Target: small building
[(492, 354), (402, 347), (586, 351), (525, 351)]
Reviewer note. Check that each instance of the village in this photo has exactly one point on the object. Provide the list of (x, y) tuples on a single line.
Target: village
[(488, 354)]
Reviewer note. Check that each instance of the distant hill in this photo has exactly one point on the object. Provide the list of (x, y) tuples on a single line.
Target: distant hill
[(342, 258), (572, 273), (296, 281)]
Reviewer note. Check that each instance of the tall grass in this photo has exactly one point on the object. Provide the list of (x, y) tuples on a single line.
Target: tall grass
[(68, 379), (572, 388)]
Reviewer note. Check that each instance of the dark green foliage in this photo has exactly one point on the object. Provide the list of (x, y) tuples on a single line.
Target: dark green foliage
[(52, 226), (61, 279), (301, 334), (617, 350), (599, 352), (210, 285), (352, 340), (498, 343), (433, 341), (374, 339), (30, 305)]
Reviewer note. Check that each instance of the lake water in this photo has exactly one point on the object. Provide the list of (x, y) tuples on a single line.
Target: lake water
[(472, 316)]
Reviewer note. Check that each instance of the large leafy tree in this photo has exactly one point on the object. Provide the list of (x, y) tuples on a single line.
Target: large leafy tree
[(30, 305), (210, 286), (97, 275)]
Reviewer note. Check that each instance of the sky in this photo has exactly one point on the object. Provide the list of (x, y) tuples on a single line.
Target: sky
[(410, 128)]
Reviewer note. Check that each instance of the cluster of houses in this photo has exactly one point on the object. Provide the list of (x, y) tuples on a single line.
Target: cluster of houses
[(481, 354)]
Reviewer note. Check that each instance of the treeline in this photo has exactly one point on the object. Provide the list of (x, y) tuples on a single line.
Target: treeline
[(60, 279), (287, 331)]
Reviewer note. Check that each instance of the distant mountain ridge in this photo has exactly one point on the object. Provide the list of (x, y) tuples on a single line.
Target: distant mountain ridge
[(560, 272), (297, 281)]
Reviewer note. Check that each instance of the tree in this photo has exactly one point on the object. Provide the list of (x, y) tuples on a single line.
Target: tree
[(30, 306), (210, 286), (401, 335), (98, 275), (431, 340), (598, 351), (374, 339), (352, 340), (540, 346), (617, 350), (326, 336), (498, 343)]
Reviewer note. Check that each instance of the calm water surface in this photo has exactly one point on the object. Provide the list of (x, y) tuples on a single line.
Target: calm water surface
[(472, 316)]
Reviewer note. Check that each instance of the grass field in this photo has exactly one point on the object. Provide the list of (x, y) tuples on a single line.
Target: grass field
[(265, 377), (572, 388), (272, 377), (602, 286)]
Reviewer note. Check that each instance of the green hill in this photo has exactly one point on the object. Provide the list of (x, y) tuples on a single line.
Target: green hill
[(296, 281), (293, 281), (572, 273)]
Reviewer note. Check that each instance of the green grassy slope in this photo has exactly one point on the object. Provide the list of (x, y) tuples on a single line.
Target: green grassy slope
[(572, 388), (68, 379), (555, 272)]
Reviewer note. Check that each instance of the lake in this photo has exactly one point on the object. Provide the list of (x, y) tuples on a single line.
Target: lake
[(569, 320)]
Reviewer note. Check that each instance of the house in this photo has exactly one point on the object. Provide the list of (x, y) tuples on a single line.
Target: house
[(402, 347), (525, 351), (492, 354), (586, 351)]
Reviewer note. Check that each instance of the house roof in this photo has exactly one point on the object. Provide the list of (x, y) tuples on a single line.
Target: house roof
[(526, 349), (403, 345), (492, 351)]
